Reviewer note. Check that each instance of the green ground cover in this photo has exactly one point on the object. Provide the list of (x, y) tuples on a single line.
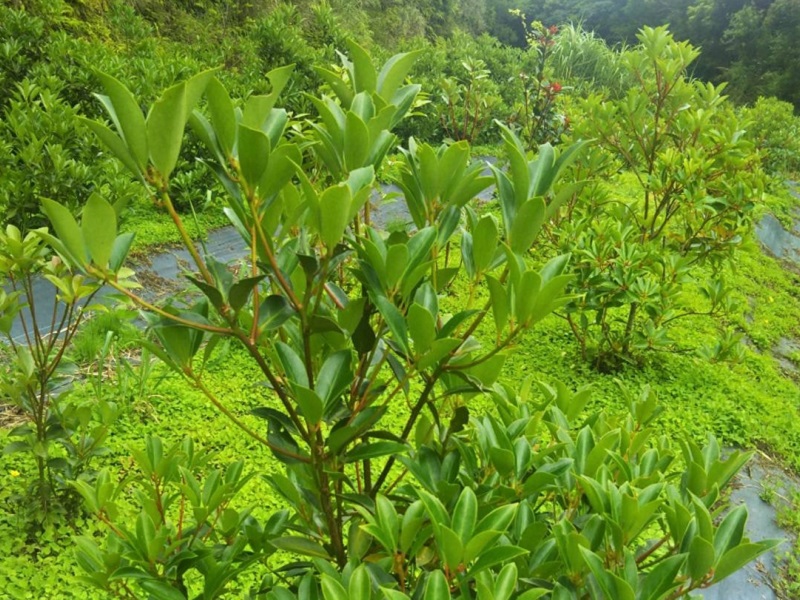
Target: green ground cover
[(752, 403)]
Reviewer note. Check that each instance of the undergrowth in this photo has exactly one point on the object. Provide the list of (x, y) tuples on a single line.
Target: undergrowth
[(752, 403)]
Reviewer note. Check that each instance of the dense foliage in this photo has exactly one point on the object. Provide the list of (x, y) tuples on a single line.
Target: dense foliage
[(356, 381), (698, 182), (337, 358)]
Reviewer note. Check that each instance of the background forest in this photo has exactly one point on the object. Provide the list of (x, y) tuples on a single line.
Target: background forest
[(532, 372)]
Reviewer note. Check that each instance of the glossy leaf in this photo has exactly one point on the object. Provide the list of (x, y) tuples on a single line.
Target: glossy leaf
[(334, 214), (165, 125), (99, 228), (436, 587), (129, 117), (736, 558), (300, 545), (67, 229), (465, 515)]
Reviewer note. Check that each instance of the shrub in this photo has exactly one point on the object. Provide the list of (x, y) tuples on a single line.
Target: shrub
[(345, 327), (775, 130), (62, 436), (696, 178)]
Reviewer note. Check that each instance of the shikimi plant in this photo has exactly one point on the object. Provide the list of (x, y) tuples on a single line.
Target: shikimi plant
[(697, 181), (48, 301), (346, 327)]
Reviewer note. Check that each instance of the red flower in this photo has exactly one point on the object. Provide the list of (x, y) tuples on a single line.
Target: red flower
[(553, 30), (555, 87)]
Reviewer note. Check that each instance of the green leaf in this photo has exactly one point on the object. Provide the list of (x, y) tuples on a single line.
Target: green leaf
[(542, 171), (435, 509), (334, 211), (440, 349), (195, 86), (375, 450), (534, 594), (120, 249), (396, 261), (465, 515), (130, 118), (611, 585), (310, 404), (730, 531), (274, 311), (498, 520), (499, 299), (332, 589), (254, 150), (549, 297), (393, 73), (292, 364), (662, 579), (736, 558), (278, 79), (428, 172), (422, 327), (518, 167), (280, 169), (479, 543), (565, 158), (393, 594), (115, 144), (488, 371), (356, 142), (301, 546), (364, 76), (387, 519), (334, 377), (503, 460), (701, 558), (436, 587), (484, 242), (223, 117), (527, 223), (66, 229), (496, 556), (339, 86), (360, 585), (99, 227), (160, 590), (506, 582), (525, 295), (239, 292), (451, 548), (395, 321), (165, 125)]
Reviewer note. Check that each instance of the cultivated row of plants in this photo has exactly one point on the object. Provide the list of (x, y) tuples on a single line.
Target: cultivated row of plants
[(348, 325)]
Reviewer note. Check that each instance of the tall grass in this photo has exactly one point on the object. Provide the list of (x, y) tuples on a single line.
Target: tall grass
[(584, 60)]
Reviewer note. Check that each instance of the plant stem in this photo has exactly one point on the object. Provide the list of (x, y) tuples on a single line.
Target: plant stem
[(198, 383), (187, 241), (412, 419)]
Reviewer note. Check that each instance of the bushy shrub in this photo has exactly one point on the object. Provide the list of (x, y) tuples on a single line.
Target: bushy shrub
[(281, 39), (697, 180), (21, 33), (448, 68), (344, 325), (538, 114), (44, 151), (775, 129), (62, 436)]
